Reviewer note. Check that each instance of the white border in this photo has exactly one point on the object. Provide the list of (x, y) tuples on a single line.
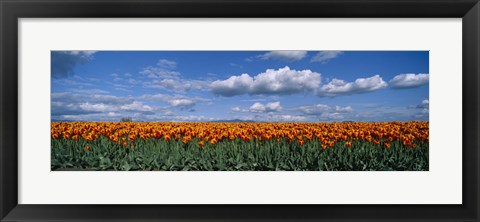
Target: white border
[(441, 185)]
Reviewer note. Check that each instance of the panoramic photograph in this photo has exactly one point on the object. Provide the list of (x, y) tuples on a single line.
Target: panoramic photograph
[(281, 110)]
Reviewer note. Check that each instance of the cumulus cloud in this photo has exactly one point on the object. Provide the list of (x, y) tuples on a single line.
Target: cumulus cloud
[(325, 56), (63, 63), (338, 87), (235, 85), (409, 80), (285, 81), (284, 55), (269, 107), (281, 82), (112, 114), (260, 108)]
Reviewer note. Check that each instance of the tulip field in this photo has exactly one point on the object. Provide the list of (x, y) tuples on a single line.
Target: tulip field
[(242, 146)]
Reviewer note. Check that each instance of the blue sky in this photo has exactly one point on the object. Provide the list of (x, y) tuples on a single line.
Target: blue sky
[(280, 86)]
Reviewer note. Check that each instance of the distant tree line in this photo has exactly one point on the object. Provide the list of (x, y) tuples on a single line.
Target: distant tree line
[(126, 119)]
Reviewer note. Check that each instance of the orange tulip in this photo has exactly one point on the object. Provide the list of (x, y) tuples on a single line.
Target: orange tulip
[(387, 145)]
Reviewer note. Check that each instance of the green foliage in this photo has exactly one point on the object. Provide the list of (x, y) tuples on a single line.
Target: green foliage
[(236, 155)]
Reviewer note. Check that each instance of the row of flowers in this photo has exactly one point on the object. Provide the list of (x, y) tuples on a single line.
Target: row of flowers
[(326, 133)]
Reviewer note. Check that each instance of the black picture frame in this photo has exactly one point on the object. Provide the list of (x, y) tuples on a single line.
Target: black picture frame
[(12, 10)]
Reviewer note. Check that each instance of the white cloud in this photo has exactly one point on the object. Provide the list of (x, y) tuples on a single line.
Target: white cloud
[(343, 109), (325, 56), (159, 73), (338, 87), (322, 112), (96, 107), (409, 80), (274, 107), (235, 85), (285, 81), (282, 81), (268, 117), (90, 91), (168, 64), (260, 108), (424, 104), (424, 107), (236, 65), (137, 106), (318, 109), (285, 55), (179, 118), (179, 101), (177, 85), (236, 109), (269, 107), (164, 76), (285, 118), (273, 117), (314, 109)]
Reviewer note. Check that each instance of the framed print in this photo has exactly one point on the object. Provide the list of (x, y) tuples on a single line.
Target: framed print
[(166, 118), (252, 111)]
